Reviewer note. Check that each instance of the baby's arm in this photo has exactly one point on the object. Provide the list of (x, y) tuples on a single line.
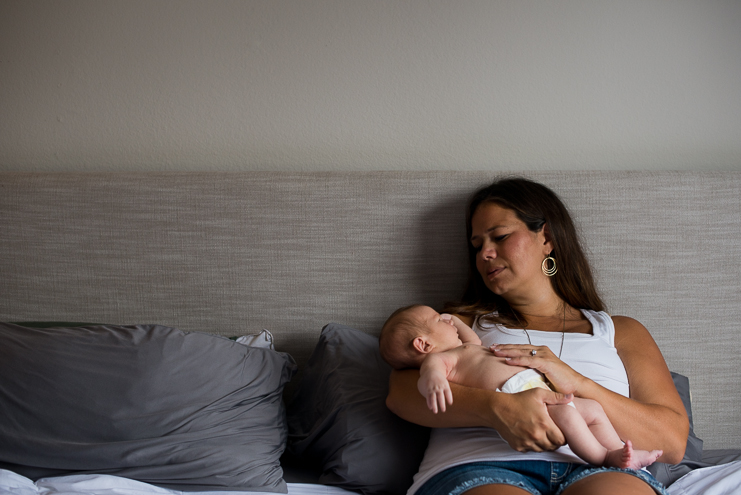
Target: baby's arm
[(433, 379), (465, 333)]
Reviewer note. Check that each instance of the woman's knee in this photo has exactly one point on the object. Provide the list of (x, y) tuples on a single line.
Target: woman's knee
[(609, 483), (496, 489)]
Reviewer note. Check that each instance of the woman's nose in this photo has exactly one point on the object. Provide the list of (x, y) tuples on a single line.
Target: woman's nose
[(488, 252)]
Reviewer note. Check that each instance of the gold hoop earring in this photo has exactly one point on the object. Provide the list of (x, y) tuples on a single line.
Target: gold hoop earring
[(549, 271)]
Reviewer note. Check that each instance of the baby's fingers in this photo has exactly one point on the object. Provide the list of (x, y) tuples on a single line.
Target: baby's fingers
[(444, 397), (441, 401), (449, 396), (432, 402)]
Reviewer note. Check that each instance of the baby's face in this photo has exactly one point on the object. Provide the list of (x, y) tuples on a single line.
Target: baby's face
[(441, 331)]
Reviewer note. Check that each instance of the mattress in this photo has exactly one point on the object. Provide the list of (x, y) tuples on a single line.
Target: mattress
[(101, 484), (724, 479)]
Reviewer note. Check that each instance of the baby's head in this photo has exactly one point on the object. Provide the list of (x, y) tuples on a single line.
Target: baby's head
[(412, 332)]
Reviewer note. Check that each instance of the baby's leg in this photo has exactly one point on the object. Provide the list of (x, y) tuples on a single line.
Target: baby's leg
[(598, 423), (617, 455), (578, 435)]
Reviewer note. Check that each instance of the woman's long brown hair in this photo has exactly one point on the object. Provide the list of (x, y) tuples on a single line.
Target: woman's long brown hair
[(536, 205)]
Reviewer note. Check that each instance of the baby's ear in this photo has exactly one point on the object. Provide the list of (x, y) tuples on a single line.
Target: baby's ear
[(421, 345)]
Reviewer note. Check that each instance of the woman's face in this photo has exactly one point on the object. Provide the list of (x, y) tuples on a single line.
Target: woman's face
[(508, 254)]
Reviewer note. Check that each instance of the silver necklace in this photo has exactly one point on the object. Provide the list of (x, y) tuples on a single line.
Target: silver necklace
[(563, 335)]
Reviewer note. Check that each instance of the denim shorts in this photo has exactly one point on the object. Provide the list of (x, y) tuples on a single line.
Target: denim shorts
[(536, 477)]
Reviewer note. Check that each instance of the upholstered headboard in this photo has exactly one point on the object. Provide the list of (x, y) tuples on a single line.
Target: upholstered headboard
[(233, 253)]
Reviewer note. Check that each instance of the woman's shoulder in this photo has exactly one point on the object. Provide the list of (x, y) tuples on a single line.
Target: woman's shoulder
[(614, 320), (614, 328), (630, 334), (627, 324), (601, 320)]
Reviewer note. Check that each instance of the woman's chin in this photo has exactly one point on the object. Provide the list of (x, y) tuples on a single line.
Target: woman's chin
[(496, 288)]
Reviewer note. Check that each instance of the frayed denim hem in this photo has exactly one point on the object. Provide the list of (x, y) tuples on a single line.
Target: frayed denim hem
[(481, 481), (642, 475)]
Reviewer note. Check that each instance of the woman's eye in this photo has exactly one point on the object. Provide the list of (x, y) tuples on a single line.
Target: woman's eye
[(500, 238), (476, 248)]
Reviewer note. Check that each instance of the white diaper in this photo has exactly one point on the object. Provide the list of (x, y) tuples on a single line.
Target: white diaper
[(526, 380)]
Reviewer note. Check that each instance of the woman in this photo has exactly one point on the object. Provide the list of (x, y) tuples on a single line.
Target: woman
[(531, 292)]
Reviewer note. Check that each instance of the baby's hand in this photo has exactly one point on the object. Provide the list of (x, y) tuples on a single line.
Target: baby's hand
[(447, 318), (436, 391)]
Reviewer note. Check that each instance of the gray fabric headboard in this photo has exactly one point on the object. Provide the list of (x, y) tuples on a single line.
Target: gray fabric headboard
[(233, 253)]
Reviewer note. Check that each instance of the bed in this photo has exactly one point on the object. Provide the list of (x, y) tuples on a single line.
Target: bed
[(216, 332)]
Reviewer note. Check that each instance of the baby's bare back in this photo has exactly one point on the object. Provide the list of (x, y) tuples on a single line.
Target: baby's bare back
[(478, 367)]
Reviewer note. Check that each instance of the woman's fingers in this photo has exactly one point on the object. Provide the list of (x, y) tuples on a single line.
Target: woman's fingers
[(527, 424), (560, 375), (521, 351), (556, 399), (535, 357)]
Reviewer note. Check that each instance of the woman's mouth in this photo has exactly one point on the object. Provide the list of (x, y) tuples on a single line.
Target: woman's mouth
[(493, 272)]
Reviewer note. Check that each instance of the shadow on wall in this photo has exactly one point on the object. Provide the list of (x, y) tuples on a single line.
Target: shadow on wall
[(441, 269)]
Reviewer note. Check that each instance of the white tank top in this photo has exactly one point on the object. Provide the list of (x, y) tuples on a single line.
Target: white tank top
[(593, 356)]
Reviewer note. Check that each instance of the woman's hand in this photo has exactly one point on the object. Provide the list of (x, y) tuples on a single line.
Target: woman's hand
[(527, 426), (560, 375), (522, 419)]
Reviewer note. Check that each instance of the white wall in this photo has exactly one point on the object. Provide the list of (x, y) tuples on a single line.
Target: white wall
[(109, 85)]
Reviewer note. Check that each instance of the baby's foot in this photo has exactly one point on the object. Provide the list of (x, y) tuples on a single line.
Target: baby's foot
[(628, 458)]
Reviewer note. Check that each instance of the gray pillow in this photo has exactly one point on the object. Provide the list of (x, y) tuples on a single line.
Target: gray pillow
[(338, 419), (669, 473), (189, 411)]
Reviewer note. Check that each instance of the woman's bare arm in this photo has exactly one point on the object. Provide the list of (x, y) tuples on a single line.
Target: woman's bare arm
[(654, 414), (522, 419)]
